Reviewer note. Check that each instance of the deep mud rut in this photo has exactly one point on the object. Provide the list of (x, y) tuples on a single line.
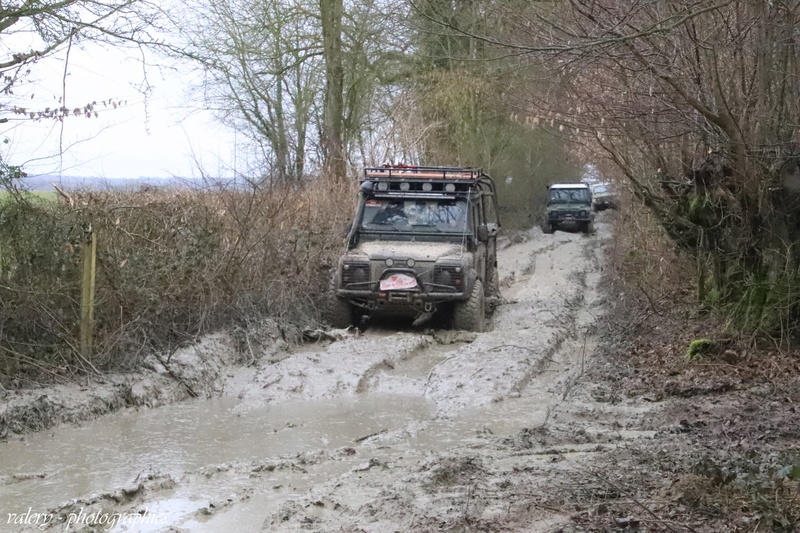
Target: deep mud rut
[(410, 430)]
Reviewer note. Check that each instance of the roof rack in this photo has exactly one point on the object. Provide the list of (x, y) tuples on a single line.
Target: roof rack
[(387, 172)]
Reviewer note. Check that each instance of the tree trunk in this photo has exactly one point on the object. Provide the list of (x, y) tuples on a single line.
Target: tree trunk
[(335, 162)]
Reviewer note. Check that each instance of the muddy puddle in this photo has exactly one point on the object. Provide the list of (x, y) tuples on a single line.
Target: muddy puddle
[(114, 450)]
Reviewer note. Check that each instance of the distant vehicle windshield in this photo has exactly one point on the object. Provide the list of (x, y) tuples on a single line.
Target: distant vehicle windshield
[(564, 196), (600, 188), (415, 215)]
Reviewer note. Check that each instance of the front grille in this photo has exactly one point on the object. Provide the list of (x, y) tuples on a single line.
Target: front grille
[(566, 214), (447, 275), (355, 272)]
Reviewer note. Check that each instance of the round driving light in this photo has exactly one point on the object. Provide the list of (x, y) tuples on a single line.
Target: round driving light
[(383, 186), (389, 262), (346, 266), (427, 187), (450, 187), (458, 270), (410, 263), (404, 186)]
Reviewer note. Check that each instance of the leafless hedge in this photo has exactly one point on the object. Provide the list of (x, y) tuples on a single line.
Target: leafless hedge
[(171, 265)]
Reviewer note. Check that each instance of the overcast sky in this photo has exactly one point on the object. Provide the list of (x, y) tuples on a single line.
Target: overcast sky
[(159, 134)]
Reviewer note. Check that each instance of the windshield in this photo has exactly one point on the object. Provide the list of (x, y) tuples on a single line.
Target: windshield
[(597, 189), (564, 196), (415, 215)]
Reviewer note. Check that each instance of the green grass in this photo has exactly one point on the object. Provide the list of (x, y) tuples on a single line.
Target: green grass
[(48, 196)]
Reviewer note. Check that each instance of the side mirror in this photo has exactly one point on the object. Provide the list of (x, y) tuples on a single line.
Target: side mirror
[(483, 233)]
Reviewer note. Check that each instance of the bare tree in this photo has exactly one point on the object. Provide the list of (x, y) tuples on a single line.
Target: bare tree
[(33, 30), (263, 70), (304, 80), (696, 102)]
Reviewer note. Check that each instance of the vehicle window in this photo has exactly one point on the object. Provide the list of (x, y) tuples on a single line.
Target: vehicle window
[(415, 215), (563, 196), (600, 188)]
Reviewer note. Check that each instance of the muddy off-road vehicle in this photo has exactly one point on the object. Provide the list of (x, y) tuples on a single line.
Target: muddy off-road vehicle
[(603, 196), (569, 206), (424, 240)]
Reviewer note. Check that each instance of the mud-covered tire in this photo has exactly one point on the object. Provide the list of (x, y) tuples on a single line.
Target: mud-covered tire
[(338, 312), (470, 314), (588, 228), (493, 284), (548, 228)]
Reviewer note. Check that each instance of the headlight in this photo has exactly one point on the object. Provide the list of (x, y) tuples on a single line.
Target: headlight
[(410, 263), (389, 261), (355, 271)]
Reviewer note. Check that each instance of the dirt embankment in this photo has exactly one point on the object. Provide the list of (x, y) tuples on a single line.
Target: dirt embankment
[(197, 371), (578, 411)]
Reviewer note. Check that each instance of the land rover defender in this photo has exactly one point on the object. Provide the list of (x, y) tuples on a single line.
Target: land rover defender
[(423, 241), (569, 206)]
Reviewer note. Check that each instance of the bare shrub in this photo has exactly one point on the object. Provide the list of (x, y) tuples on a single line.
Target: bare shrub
[(647, 266), (171, 265)]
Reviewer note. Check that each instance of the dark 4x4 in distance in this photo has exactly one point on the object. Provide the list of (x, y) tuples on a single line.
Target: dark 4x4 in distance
[(569, 206), (424, 240)]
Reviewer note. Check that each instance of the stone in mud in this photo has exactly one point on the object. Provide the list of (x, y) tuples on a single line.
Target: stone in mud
[(145, 393)]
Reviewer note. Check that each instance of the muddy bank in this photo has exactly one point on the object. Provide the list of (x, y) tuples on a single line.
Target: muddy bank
[(200, 370)]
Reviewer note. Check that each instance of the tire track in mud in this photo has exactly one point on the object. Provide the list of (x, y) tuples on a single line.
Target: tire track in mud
[(340, 369), (479, 370), (544, 334)]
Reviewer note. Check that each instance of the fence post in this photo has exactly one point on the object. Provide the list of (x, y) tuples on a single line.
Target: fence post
[(88, 255)]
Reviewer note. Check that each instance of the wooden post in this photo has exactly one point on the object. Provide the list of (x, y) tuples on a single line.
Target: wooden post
[(88, 256)]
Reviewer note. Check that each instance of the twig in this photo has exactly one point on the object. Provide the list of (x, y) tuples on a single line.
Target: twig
[(434, 368), (365, 437), (249, 347), (66, 196), (510, 346), (177, 378), (666, 523)]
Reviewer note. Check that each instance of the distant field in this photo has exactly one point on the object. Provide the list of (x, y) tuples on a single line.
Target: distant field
[(50, 196)]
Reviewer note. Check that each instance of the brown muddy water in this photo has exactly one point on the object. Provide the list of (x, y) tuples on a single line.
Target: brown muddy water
[(114, 450)]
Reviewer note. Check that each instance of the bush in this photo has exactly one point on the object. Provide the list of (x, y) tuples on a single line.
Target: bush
[(171, 265)]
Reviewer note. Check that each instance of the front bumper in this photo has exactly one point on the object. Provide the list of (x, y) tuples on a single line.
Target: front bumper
[(368, 295)]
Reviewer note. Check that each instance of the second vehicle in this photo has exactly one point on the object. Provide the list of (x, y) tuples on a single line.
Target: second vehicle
[(569, 206)]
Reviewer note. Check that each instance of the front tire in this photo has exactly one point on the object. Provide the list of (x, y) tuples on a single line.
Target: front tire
[(470, 314), (338, 312), (548, 228)]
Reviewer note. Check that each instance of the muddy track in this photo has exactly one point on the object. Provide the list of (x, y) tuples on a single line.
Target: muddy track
[(416, 429)]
